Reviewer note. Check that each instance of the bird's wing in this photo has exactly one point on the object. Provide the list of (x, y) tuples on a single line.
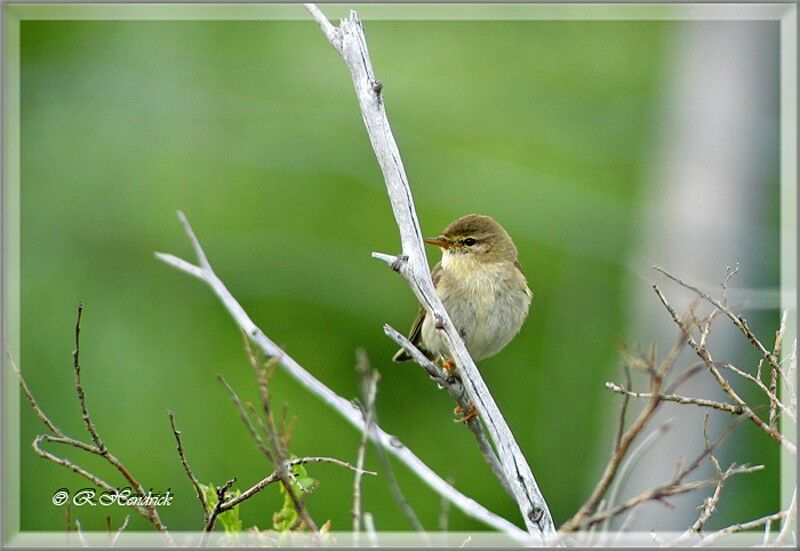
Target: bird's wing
[(527, 287), (415, 333)]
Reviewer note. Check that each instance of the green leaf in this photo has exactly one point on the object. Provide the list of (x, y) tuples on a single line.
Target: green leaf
[(229, 519), (284, 519)]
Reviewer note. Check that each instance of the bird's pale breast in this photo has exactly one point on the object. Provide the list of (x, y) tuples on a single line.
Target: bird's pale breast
[(487, 302)]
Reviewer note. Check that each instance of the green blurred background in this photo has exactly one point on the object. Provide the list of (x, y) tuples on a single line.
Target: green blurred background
[(252, 129)]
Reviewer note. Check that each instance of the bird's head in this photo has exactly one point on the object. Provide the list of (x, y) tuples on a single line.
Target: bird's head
[(479, 237)]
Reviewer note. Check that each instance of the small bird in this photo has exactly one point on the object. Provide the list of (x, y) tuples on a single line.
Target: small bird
[(482, 287)]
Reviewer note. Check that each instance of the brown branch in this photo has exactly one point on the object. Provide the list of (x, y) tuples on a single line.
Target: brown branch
[(705, 355), (149, 511), (188, 470), (773, 379), (87, 420), (656, 381), (263, 374), (77, 469), (741, 527), (624, 408), (729, 408), (659, 493), (262, 446), (31, 400), (676, 486), (275, 477), (221, 493), (775, 403), (710, 503), (738, 321)]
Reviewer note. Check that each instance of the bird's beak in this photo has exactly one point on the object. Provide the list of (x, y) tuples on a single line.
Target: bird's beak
[(440, 241)]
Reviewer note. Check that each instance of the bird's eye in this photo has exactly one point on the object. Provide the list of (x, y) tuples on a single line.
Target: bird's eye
[(469, 241)]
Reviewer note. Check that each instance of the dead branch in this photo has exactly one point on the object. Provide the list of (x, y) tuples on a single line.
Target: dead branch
[(237, 403), (223, 506), (280, 456), (455, 389), (705, 355), (676, 486), (738, 321), (149, 512), (657, 374), (349, 40), (188, 470), (741, 527), (369, 387), (735, 410), (340, 405), (787, 523)]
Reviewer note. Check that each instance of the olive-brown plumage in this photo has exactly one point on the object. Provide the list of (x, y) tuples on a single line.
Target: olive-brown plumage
[(481, 285)]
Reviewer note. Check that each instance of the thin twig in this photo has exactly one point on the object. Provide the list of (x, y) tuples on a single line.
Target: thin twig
[(370, 389), (738, 321), (630, 462), (77, 469), (773, 399), (188, 470), (274, 477), (705, 355), (741, 527), (676, 486), (149, 511), (263, 374), (624, 407), (773, 379), (262, 446), (577, 520), (119, 531), (87, 420), (735, 410), (32, 401), (218, 510), (787, 523), (90, 427)]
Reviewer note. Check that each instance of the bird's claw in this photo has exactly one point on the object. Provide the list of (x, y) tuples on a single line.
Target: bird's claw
[(465, 418)]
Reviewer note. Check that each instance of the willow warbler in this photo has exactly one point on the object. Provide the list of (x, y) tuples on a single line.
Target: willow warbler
[(482, 287)]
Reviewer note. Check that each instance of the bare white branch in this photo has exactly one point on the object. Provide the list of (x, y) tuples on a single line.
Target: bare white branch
[(340, 405), (787, 523), (413, 266), (741, 527)]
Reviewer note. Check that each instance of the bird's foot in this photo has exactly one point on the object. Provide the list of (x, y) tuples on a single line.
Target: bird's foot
[(470, 414), (449, 367)]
